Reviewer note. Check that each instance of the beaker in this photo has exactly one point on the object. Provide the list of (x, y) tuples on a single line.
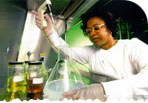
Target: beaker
[(34, 80), (15, 81), (61, 79)]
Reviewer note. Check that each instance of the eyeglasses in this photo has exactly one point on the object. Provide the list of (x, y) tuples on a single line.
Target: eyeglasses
[(95, 27)]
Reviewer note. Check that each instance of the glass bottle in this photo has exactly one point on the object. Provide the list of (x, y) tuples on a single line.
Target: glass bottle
[(26, 69), (34, 80), (44, 68), (15, 81)]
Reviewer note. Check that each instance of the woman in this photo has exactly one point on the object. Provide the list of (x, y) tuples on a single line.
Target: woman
[(123, 60)]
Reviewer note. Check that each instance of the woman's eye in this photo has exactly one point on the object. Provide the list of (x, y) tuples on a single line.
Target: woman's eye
[(96, 28)]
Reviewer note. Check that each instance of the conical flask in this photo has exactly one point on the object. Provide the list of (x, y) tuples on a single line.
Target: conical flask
[(64, 77)]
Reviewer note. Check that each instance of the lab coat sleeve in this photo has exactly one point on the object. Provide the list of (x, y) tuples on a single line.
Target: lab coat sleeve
[(79, 54), (135, 86)]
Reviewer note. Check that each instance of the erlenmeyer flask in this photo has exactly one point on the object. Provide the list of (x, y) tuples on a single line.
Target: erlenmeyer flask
[(62, 78)]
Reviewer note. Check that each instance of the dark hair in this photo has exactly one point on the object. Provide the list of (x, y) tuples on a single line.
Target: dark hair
[(104, 15)]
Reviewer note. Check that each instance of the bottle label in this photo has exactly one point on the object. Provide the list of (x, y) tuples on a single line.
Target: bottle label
[(33, 74), (18, 78), (37, 80)]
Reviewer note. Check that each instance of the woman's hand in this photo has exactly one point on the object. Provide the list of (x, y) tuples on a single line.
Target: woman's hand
[(94, 91), (38, 20)]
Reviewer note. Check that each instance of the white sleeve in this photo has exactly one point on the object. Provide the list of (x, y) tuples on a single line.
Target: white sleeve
[(135, 86), (80, 54)]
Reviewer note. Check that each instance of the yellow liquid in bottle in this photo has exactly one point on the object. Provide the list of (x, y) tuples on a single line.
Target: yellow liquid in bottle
[(15, 86), (16, 83)]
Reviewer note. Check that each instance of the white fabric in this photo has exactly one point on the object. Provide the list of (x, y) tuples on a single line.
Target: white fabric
[(127, 62)]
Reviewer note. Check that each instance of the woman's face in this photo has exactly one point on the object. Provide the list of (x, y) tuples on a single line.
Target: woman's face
[(97, 31)]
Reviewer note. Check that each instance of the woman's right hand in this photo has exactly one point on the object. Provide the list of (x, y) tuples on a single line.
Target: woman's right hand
[(49, 28)]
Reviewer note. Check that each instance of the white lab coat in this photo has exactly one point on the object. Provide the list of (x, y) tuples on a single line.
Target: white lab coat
[(126, 62)]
